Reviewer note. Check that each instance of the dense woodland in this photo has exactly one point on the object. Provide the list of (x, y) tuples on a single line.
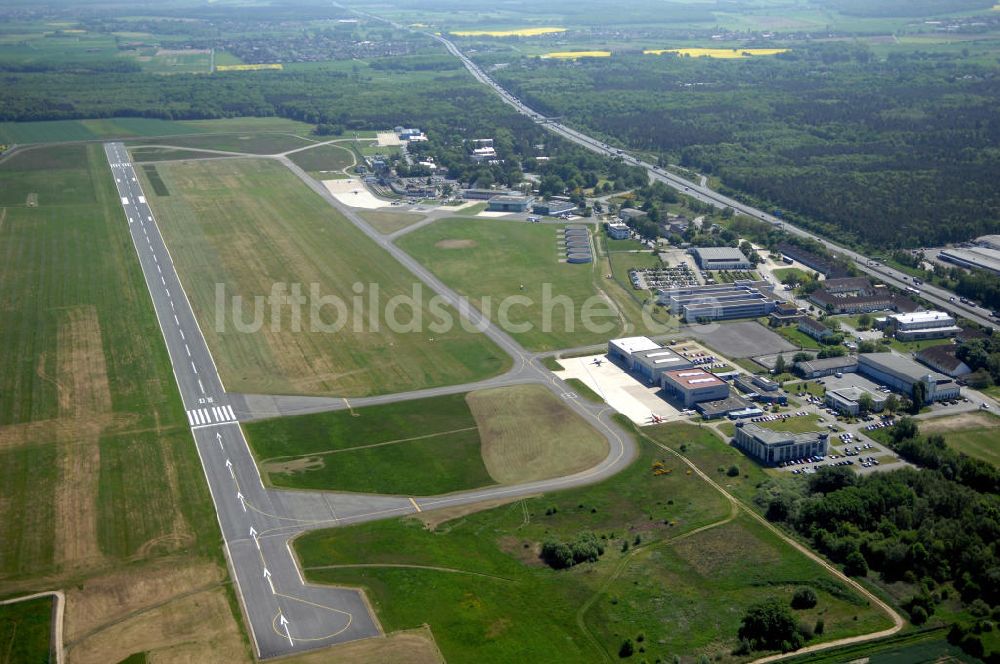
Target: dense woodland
[(896, 152), (926, 531)]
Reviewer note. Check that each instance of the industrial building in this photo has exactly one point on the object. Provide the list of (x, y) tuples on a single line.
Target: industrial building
[(827, 366), (553, 208), (617, 230), (943, 358), (923, 325), (774, 447), (691, 386), (852, 295), (760, 388), (982, 258), (826, 266), (717, 302), (721, 258), (652, 364), (485, 194), (846, 400), (622, 350), (901, 374), (509, 203)]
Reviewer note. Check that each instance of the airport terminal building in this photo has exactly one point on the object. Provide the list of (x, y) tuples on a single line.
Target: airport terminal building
[(772, 447)]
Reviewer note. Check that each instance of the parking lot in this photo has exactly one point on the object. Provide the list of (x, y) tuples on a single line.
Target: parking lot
[(743, 339)]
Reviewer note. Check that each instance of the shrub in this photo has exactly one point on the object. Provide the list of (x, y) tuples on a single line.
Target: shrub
[(626, 649), (734, 471), (804, 598)]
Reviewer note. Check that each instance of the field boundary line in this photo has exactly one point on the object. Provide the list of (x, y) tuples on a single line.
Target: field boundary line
[(59, 599)]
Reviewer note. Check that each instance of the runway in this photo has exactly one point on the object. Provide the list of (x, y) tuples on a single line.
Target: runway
[(285, 614)]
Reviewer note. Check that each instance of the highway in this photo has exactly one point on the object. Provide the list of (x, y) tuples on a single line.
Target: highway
[(284, 614), (937, 296)]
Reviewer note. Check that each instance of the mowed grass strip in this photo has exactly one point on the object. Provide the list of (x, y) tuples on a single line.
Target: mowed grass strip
[(253, 143), (489, 261), (245, 225), (25, 629), (388, 221), (478, 581), (418, 447), (529, 434), (83, 366)]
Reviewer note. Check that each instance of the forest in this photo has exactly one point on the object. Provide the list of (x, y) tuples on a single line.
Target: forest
[(926, 531), (894, 152)]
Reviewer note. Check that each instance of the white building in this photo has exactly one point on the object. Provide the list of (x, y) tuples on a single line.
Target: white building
[(923, 325), (617, 230)]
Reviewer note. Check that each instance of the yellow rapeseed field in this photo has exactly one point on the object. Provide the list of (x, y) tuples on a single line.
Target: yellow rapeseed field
[(276, 65), (726, 53), (517, 32), (572, 55)]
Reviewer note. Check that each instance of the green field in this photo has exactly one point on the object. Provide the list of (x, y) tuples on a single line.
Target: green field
[(478, 581), (96, 458), (388, 221), (252, 143), (420, 447), (428, 446), (796, 336), (25, 631), (321, 160), (801, 276), (88, 130), (141, 154), (489, 261), (974, 434), (250, 224)]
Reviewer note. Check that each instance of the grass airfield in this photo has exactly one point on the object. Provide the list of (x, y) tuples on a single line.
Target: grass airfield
[(432, 446), (249, 224)]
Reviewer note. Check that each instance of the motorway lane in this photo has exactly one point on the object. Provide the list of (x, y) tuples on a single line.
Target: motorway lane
[(933, 294), (316, 616)]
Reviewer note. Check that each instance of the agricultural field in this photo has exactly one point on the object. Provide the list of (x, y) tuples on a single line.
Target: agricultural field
[(722, 53), (667, 538), (574, 55), (249, 224), (25, 631), (449, 443), (491, 260), (96, 459), (516, 32), (974, 434)]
